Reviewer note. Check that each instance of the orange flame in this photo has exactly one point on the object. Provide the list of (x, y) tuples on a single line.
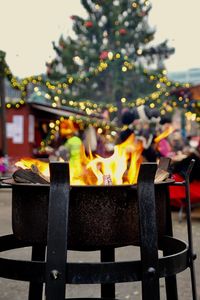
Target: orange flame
[(122, 166), (164, 134)]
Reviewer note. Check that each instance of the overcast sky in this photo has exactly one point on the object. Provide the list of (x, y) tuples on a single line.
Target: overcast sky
[(27, 29)]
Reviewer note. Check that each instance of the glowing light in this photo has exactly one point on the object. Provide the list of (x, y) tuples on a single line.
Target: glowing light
[(139, 51), (113, 133), (110, 55), (71, 79), (51, 125), (88, 111), (134, 5), (47, 96), (99, 130), (56, 98), (124, 69), (152, 105), (163, 112)]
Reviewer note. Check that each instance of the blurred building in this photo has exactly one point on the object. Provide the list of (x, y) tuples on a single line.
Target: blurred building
[(192, 76), (27, 123)]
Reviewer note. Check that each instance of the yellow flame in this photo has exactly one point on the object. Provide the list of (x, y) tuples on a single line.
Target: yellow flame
[(122, 166), (26, 163), (164, 134)]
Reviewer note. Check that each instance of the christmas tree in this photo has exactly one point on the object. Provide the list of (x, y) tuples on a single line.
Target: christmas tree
[(112, 47)]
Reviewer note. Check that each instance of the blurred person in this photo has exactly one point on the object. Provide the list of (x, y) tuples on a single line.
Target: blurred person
[(164, 147), (90, 139), (142, 121), (177, 141), (73, 146)]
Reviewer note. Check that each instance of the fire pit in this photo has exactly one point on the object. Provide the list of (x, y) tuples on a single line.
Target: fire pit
[(99, 216), (103, 208), (94, 217)]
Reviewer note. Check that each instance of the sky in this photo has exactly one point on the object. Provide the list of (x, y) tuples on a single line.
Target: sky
[(27, 29)]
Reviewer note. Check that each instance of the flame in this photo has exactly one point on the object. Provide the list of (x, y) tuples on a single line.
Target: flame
[(122, 166), (164, 134), (27, 163)]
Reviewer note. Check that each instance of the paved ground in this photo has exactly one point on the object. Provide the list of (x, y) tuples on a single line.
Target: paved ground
[(15, 290)]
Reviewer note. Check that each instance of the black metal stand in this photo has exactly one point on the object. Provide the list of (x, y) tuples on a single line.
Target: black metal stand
[(192, 255), (56, 271)]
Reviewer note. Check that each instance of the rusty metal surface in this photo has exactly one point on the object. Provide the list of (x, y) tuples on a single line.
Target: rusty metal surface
[(98, 216)]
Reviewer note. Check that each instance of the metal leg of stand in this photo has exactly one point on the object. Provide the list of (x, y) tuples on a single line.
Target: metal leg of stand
[(148, 232), (170, 282), (108, 290), (57, 231), (192, 256), (36, 288), (180, 214)]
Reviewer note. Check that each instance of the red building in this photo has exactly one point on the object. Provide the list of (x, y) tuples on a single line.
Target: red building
[(20, 124), (28, 125)]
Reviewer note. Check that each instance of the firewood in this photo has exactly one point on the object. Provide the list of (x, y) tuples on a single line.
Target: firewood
[(35, 170), (161, 175), (107, 180), (28, 176)]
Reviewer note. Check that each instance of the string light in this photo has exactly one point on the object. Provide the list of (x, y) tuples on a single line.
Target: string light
[(59, 87)]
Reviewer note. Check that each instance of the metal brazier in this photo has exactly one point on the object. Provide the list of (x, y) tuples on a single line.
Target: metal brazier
[(99, 216)]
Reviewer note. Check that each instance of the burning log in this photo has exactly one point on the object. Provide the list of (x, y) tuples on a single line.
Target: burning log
[(120, 168), (107, 180), (161, 175), (29, 176), (33, 175)]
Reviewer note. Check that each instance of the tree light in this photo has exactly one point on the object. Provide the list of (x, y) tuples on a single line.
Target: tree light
[(134, 5), (139, 51), (110, 55)]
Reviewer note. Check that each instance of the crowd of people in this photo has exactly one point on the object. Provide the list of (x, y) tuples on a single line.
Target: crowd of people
[(159, 137)]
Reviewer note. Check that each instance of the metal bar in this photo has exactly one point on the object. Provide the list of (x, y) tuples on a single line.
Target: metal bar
[(36, 288), (164, 163), (192, 256), (57, 231), (170, 281), (108, 290), (148, 232)]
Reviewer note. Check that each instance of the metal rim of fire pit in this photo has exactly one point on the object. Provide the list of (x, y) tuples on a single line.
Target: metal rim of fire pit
[(11, 182)]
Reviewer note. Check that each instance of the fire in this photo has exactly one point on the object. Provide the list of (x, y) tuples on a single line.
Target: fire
[(122, 166), (28, 163), (164, 134)]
